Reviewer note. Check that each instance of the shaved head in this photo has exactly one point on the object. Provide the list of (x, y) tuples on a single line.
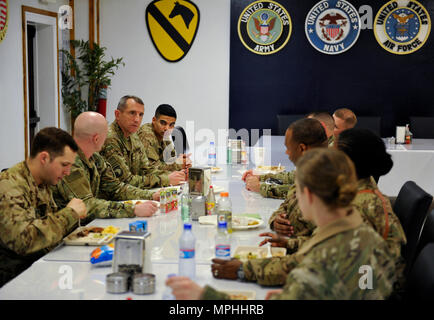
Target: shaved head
[(89, 124)]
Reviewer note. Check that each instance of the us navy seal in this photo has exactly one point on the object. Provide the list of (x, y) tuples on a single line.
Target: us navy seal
[(333, 27)]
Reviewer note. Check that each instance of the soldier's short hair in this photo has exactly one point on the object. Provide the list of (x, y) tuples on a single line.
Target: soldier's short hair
[(309, 132), (123, 102), (52, 140), (347, 115), (367, 151), (329, 174), (324, 117), (165, 110)]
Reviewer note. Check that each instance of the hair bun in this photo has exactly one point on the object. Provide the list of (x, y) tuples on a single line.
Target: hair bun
[(346, 191)]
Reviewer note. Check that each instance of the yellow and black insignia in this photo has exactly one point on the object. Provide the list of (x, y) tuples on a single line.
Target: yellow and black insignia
[(402, 27), (264, 27), (172, 25), (4, 15)]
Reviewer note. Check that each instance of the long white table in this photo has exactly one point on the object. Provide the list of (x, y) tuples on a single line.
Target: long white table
[(413, 162), (47, 273)]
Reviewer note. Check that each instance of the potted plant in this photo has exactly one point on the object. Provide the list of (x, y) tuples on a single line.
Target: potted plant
[(84, 77)]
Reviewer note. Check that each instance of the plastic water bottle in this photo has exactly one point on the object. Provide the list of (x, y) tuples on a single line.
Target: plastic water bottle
[(222, 242), (212, 158), (167, 294), (185, 204), (187, 261), (224, 211)]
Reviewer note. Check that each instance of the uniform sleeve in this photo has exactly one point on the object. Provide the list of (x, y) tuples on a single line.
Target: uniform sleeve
[(76, 185), (25, 229), (275, 190), (169, 153), (212, 294), (269, 271), (148, 177)]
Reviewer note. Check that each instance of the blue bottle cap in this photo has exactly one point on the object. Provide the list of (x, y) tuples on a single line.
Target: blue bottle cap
[(222, 224), (187, 226)]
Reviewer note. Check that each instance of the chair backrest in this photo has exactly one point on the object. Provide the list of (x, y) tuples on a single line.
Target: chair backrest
[(427, 234), (180, 140), (422, 127), (284, 120), (420, 281), (371, 123), (411, 207)]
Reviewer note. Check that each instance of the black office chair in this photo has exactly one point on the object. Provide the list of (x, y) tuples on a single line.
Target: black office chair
[(284, 120), (180, 140), (422, 127), (371, 123), (411, 207), (420, 282), (427, 234)]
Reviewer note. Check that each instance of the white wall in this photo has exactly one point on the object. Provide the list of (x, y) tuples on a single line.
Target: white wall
[(11, 84), (197, 86)]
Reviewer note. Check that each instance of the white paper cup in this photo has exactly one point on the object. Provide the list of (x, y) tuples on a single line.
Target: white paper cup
[(259, 153)]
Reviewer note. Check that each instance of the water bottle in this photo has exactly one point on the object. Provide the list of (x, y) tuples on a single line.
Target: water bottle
[(212, 159), (167, 294), (224, 211), (185, 204), (222, 242), (229, 152), (187, 262)]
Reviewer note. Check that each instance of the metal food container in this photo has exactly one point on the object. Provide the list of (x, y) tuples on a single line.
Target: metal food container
[(199, 180), (130, 252), (143, 283), (198, 207), (117, 282)]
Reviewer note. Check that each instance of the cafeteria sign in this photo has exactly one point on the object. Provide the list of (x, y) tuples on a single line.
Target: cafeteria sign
[(402, 27), (172, 26), (3, 18), (264, 27)]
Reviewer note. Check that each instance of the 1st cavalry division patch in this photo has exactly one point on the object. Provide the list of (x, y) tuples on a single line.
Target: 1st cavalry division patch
[(402, 27), (332, 27), (172, 25), (3, 18), (264, 27)]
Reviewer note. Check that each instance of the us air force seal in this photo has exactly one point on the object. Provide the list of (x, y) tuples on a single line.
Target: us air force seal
[(332, 26), (402, 26), (264, 27)]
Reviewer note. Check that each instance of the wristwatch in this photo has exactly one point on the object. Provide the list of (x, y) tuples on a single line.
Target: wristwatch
[(240, 273)]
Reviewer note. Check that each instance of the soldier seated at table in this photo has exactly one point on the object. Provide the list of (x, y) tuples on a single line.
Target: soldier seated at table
[(375, 209), (127, 154), (260, 183), (344, 119), (328, 265), (93, 180), (157, 139), (31, 223)]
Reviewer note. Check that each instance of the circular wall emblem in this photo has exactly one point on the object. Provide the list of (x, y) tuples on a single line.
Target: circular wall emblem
[(3, 18), (264, 27), (402, 27), (332, 27)]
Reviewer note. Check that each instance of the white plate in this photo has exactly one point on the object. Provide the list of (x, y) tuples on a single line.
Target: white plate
[(235, 226), (258, 252), (268, 169), (142, 201)]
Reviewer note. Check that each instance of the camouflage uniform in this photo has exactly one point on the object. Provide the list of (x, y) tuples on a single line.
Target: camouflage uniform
[(302, 229), (327, 266), (30, 222), (155, 149), (269, 189), (129, 161), (94, 182)]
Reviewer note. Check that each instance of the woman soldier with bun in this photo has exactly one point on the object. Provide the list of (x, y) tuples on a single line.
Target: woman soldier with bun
[(345, 258)]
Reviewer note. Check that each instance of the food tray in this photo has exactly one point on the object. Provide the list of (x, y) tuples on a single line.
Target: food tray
[(91, 239), (268, 169), (245, 253), (240, 295)]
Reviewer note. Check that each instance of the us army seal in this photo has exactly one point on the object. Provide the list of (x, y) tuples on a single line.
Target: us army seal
[(264, 27), (332, 27), (402, 27)]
